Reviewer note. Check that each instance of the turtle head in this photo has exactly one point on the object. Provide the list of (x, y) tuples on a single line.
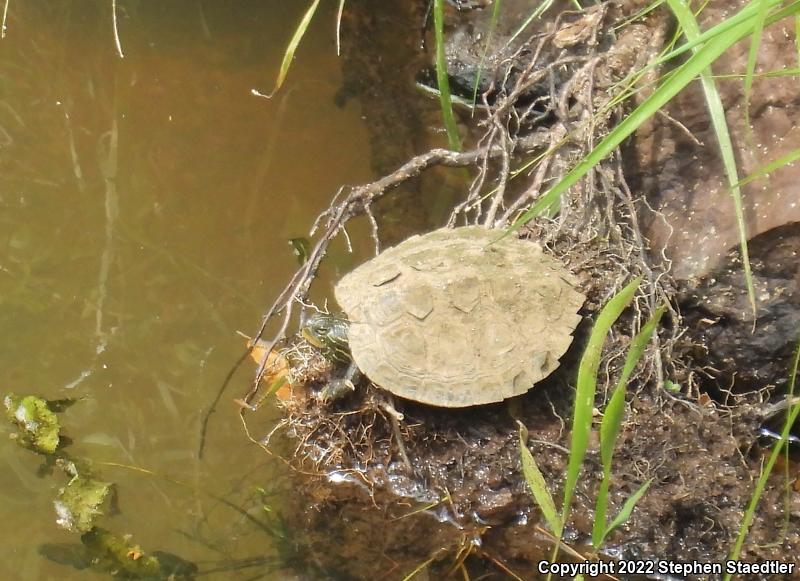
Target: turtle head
[(329, 334)]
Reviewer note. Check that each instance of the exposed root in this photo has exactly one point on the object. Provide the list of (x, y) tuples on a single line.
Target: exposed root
[(552, 100)]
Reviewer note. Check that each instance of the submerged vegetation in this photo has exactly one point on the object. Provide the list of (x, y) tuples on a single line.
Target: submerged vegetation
[(83, 500)]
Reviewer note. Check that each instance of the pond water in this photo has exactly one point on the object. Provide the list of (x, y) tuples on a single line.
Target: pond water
[(145, 208)]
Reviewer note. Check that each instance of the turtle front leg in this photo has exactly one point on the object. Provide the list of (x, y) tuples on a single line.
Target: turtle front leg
[(336, 389)]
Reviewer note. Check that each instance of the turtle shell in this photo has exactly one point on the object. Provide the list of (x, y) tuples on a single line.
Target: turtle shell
[(459, 317)]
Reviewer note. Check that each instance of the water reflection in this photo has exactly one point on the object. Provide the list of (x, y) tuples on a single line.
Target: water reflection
[(145, 204)]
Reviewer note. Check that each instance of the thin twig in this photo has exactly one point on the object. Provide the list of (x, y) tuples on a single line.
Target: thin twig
[(353, 205), (505, 169), (357, 202)]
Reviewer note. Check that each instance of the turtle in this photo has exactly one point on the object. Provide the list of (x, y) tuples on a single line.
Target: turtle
[(453, 318)]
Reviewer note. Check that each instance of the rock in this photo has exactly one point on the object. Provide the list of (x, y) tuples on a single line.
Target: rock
[(679, 170), (496, 505), (718, 317)]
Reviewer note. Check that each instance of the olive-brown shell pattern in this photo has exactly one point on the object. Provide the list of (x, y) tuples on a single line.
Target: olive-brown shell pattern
[(459, 317)]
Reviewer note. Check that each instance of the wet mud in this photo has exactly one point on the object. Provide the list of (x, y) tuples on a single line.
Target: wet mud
[(387, 488), (463, 497)]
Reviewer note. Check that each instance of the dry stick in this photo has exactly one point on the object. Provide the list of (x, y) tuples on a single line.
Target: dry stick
[(356, 203), (653, 280), (586, 74), (394, 418), (534, 190), (374, 226), (472, 200), (505, 170), (474, 189)]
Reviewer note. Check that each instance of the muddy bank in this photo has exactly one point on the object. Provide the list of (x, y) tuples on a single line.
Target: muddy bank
[(443, 492), (370, 516)]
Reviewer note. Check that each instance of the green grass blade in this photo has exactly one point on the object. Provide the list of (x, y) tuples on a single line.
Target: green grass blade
[(612, 421), (586, 385), (752, 56), (540, 9), (749, 514), (722, 27), (292, 47), (441, 78), (791, 9), (625, 512), (745, 14), (797, 36), (489, 36), (600, 511), (681, 77), (717, 112), (636, 350), (779, 73), (790, 157), (538, 485)]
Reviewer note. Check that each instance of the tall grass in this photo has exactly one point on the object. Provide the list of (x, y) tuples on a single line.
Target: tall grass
[(442, 80), (705, 48), (587, 386), (716, 110), (610, 425), (752, 56), (582, 426), (712, 44), (761, 484), (538, 484), (294, 42)]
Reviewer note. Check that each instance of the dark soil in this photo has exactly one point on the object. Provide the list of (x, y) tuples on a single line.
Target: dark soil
[(443, 493), (734, 349), (370, 515)]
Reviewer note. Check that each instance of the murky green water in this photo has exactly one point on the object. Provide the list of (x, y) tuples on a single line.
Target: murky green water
[(145, 204)]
